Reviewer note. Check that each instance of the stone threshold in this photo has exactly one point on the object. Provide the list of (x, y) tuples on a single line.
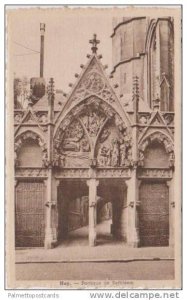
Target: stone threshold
[(95, 254)]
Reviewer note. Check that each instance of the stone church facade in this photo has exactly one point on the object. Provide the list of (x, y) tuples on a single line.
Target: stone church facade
[(108, 144)]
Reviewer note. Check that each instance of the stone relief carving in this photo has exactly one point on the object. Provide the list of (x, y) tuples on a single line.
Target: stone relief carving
[(31, 172), (71, 144), (93, 121), (19, 141), (74, 138), (113, 173), (101, 173), (42, 117), (79, 131), (117, 152), (144, 118), (155, 173), (169, 118), (104, 156), (93, 111), (72, 173), (104, 135), (93, 83), (58, 159), (18, 116)]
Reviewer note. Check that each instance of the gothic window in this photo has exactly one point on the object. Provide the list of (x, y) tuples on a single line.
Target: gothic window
[(153, 69), (164, 95)]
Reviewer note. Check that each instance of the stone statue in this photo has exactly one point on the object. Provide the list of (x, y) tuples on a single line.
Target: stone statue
[(123, 155), (84, 145), (115, 154), (45, 161), (104, 156)]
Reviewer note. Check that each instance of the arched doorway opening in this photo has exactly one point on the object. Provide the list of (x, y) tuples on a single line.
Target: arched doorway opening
[(111, 211), (73, 208)]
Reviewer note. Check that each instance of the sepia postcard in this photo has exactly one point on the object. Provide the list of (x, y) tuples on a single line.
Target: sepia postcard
[(93, 147)]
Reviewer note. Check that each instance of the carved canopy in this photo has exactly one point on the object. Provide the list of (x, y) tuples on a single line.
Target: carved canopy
[(20, 140)]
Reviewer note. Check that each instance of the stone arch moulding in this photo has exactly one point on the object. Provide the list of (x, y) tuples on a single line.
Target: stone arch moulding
[(77, 107), (160, 138), (21, 138), (93, 114)]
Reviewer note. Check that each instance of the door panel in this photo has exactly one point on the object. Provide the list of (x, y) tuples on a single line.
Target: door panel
[(154, 214), (29, 207)]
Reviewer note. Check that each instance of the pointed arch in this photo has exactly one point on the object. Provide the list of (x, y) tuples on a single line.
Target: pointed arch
[(93, 114), (30, 135), (92, 82), (160, 138)]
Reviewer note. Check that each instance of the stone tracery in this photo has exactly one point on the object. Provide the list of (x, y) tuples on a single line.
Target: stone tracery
[(87, 126), (160, 138), (19, 141)]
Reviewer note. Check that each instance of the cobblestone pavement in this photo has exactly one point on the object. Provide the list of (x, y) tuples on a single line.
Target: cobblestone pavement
[(76, 249)]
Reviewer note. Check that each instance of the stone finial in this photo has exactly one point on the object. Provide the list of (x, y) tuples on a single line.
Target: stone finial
[(136, 87), (51, 93), (51, 87), (94, 43)]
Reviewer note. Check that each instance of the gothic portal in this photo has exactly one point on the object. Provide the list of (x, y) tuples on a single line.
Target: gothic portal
[(105, 151)]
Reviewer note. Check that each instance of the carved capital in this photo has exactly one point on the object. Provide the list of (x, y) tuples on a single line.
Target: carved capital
[(50, 204), (92, 181), (131, 204), (93, 204), (93, 163)]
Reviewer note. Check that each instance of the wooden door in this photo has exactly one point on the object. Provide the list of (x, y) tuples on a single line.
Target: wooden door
[(154, 214), (29, 209)]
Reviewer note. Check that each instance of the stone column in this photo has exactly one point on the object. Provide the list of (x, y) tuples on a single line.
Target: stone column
[(51, 212), (171, 213), (133, 239), (54, 211), (49, 201), (49, 204), (92, 184)]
